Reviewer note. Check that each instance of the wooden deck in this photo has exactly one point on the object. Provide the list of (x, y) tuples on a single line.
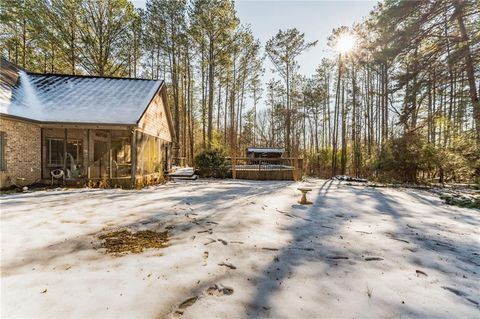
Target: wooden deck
[(266, 168), (283, 174)]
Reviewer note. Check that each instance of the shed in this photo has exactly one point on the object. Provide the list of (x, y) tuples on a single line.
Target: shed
[(264, 152)]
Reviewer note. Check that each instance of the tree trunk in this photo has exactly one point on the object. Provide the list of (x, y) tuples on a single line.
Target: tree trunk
[(211, 72), (465, 47)]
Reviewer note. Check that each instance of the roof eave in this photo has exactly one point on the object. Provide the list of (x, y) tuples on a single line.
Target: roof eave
[(25, 119)]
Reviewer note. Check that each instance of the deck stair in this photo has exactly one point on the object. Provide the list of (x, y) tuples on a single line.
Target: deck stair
[(183, 173)]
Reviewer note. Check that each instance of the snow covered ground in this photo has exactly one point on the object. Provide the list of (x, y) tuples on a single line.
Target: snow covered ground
[(357, 252)]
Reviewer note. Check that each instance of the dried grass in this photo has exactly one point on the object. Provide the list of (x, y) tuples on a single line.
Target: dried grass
[(124, 241)]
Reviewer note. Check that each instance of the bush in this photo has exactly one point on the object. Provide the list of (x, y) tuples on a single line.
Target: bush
[(211, 163), (461, 201)]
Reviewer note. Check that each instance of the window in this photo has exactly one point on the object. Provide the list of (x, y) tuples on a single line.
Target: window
[(3, 163), (55, 152)]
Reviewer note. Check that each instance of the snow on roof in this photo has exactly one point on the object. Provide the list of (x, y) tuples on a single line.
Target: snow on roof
[(75, 99), (265, 150)]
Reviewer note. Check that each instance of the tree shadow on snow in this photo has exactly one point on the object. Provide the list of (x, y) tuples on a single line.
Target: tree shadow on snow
[(209, 202), (313, 237)]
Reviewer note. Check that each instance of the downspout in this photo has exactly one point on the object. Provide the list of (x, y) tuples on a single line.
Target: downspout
[(42, 162)]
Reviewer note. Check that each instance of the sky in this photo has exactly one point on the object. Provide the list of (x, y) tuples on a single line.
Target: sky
[(316, 19)]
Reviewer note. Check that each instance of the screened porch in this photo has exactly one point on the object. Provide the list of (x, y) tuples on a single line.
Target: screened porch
[(119, 154)]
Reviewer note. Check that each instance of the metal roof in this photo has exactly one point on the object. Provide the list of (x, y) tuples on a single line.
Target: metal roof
[(74, 99), (265, 150)]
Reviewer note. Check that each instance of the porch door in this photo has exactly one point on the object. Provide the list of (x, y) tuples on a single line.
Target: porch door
[(101, 159)]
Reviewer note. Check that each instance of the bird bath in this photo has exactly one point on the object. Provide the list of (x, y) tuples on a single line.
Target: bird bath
[(304, 191)]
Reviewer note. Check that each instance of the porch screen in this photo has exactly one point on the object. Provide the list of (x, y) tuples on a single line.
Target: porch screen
[(121, 156), (74, 151), (150, 154), (55, 152)]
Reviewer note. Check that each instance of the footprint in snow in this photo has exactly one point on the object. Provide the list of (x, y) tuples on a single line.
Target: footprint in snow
[(227, 265), (373, 258), (419, 272), (210, 240), (219, 290), (205, 257), (184, 305), (215, 290), (189, 302)]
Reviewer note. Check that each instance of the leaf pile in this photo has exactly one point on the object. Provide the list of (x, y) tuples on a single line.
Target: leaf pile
[(124, 241)]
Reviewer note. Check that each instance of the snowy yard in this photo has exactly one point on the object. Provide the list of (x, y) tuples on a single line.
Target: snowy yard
[(357, 252)]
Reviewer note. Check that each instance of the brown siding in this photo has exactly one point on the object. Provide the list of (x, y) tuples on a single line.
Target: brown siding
[(154, 121), (22, 152)]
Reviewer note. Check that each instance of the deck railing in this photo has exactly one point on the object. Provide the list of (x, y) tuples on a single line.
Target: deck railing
[(266, 168), (265, 163)]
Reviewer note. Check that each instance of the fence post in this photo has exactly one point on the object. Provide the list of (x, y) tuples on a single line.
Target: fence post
[(234, 173)]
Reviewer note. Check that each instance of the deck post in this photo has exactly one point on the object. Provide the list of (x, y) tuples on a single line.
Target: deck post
[(110, 155), (88, 154), (234, 173)]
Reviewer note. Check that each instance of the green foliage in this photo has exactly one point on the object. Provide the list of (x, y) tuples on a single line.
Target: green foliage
[(384, 164), (410, 158), (211, 163), (320, 164), (461, 201), (217, 141), (71, 36), (407, 153), (467, 158)]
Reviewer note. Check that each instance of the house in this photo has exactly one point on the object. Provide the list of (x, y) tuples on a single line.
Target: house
[(91, 128)]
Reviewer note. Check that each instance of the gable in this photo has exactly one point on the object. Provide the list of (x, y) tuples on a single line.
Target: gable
[(156, 119)]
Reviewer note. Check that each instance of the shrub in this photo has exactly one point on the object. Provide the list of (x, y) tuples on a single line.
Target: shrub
[(211, 163), (461, 201)]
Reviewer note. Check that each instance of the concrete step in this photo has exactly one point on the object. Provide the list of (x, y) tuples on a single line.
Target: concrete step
[(184, 178)]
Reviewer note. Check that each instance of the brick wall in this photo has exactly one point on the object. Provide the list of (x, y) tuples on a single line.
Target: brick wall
[(22, 152)]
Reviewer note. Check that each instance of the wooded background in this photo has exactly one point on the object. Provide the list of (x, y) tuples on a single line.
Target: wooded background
[(402, 105)]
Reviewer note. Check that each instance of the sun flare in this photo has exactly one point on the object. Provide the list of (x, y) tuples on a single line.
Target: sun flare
[(346, 42)]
